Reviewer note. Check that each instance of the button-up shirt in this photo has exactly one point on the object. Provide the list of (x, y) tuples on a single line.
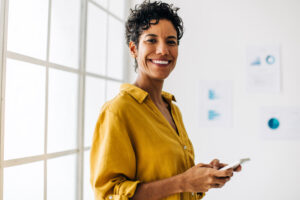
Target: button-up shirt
[(134, 143)]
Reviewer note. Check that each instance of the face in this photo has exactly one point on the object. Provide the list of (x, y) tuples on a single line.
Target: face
[(157, 51)]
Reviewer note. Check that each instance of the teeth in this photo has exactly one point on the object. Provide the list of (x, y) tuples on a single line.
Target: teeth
[(163, 62)]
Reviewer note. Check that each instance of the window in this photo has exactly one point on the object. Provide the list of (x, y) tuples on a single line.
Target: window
[(60, 61)]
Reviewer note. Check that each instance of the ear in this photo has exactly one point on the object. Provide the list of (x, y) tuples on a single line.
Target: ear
[(133, 49)]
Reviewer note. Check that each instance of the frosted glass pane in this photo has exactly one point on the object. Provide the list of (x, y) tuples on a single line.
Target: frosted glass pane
[(24, 182), (113, 88), (24, 109), (117, 7), (102, 3), (87, 188), (96, 40), (27, 27), (116, 47), (62, 110), (94, 99), (61, 178), (65, 29)]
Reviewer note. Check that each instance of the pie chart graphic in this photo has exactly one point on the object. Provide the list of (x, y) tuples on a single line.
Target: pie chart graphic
[(270, 59), (273, 123)]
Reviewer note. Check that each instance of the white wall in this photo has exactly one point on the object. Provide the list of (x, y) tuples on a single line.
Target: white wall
[(213, 48)]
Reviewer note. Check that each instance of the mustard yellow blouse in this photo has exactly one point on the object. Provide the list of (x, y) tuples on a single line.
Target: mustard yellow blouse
[(133, 143)]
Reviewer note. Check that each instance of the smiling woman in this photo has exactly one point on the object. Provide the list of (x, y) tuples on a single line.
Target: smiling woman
[(140, 148)]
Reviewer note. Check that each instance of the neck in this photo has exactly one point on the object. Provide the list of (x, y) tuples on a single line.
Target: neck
[(153, 87)]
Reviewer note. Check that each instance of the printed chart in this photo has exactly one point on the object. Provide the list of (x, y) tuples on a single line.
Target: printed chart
[(215, 103)]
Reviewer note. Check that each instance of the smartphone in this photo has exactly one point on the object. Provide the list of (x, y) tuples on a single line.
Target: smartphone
[(236, 164)]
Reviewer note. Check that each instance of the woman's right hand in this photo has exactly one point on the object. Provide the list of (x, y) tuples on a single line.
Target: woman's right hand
[(202, 177)]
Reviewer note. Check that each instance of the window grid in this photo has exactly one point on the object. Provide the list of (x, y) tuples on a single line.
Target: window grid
[(3, 43), (106, 10), (46, 98), (81, 97), (50, 65), (4, 54), (106, 50)]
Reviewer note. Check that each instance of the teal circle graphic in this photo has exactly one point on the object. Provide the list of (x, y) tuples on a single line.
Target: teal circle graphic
[(273, 123), (270, 59)]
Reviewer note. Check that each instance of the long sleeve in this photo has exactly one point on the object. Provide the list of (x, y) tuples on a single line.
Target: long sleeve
[(112, 159)]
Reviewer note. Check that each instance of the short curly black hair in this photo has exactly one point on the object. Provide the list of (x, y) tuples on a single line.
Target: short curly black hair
[(141, 16)]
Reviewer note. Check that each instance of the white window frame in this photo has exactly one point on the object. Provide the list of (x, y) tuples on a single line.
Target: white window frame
[(4, 54)]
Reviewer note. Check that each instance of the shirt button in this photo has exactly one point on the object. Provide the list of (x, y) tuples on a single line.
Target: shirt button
[(184, 147), (192, 193), (110, 197)]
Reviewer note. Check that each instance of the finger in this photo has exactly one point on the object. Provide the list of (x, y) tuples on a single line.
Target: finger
[(230, 172), (215, 163), (238, 168), (221, 165), (221, 180)]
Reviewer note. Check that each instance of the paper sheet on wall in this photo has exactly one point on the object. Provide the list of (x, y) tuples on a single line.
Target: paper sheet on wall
[(263, 69), (215, 103), (280, 123)]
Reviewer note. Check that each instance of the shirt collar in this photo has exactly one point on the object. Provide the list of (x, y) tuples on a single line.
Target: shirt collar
[(140, 95), (168, 96)]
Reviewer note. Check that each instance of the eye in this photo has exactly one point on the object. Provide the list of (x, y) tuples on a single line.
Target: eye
[(151, 40), (172, 42)]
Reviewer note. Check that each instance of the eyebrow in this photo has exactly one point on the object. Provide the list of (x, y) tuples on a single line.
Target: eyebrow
[(169, 37)]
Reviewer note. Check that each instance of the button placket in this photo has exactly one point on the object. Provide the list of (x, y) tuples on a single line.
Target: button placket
[(163, 120)]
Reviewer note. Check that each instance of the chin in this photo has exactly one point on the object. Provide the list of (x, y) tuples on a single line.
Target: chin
[(160, 76)]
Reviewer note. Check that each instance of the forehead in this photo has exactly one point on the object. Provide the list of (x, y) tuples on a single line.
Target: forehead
[(163, 28)]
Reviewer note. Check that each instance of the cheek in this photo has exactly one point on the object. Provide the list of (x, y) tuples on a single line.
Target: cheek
[(142, 56), (175, 52), (141, 59)]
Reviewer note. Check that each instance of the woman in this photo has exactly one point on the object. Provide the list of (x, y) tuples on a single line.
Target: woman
[(140, 147)]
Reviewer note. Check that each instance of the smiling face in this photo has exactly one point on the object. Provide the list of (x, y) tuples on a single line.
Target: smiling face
[(157, 51)]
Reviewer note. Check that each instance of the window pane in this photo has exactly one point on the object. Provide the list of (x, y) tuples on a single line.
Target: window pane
[(117, 7), (62, 110), (102, 3), (61, 178), (27, 27), (24, 182), (96, 40), (64, 36), (116, 46), (113, 88), (87, 188), (94, 99), (24, 109)]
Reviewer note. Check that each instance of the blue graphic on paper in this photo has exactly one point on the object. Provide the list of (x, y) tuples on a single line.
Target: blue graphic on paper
[(270, 59), (256, 62), (212, 115), (273, 123), (211, 94)]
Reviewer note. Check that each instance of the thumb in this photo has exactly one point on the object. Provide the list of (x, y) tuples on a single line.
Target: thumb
[(203, 165)]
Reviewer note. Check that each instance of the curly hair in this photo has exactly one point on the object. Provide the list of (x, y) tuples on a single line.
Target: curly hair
[(142, 16)]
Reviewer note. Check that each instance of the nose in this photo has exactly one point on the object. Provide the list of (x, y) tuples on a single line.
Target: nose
[(162, 49)]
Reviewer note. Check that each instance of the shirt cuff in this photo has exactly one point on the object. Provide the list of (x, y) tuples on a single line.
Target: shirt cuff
[(124, 190)]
